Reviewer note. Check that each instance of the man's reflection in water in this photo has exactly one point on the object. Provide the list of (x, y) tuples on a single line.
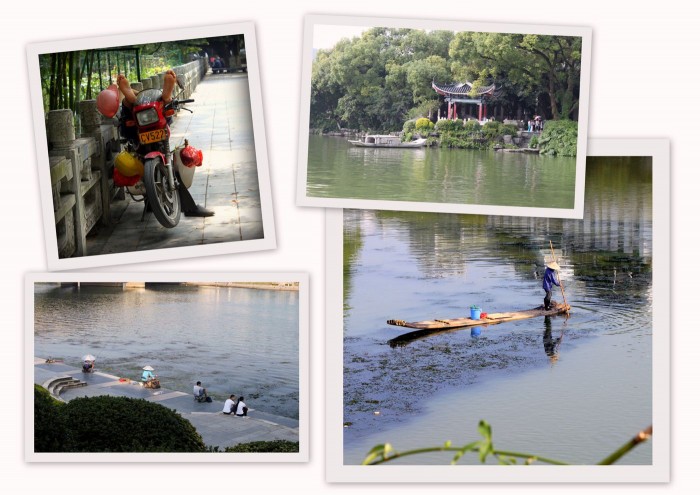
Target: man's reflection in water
[(551, 345)]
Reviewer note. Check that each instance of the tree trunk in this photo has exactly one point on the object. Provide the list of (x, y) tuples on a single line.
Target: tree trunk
[(553, 95), (90, 58), (52, 81), (71, 75)]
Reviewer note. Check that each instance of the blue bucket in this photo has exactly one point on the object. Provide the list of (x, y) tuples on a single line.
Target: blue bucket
[(475, 313)]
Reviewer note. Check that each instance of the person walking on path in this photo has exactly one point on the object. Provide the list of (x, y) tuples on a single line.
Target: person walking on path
[(549, 279)]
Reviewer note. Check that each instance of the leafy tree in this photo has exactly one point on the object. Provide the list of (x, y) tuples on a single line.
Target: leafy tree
[(533, 64), (419, 76), (377, 80)]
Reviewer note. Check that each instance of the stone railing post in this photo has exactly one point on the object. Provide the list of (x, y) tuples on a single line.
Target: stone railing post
[(80, 152)]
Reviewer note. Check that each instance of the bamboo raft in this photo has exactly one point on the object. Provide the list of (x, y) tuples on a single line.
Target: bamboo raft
[(429, 327)]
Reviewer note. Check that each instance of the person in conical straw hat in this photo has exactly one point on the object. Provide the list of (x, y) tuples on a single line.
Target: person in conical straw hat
[(550, 278), (147, 373)]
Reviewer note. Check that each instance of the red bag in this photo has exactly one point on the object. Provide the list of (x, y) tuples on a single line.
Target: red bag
[(191, 156)]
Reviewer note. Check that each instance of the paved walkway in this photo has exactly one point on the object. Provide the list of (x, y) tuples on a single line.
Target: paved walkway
[(227, 182), (216, 428)]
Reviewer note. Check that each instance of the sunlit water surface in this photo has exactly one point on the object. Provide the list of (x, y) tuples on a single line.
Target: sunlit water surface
[(571, 389)]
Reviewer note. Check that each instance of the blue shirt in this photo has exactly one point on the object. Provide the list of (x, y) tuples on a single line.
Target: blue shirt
[(147, 375), (549, 279)]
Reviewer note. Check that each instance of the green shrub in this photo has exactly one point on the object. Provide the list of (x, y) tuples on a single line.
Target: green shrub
[(122, 424), (49, 430), (492, 129), (268, 446), (448, 125), (559, 137), (409, 126), (424, 125), (509, 130), (533, 142), (472, 126)]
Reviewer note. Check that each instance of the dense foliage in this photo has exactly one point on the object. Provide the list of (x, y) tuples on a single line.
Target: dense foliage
[(377, 81), (110, 424), (122, 424), (70, 77), (559, 138), (468, 135), (49, 431), (265, 446)]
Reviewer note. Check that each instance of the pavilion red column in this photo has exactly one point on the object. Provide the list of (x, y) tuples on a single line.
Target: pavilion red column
[(480, 114)]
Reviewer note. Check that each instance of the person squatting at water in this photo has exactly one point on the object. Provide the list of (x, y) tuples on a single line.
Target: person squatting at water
[(200, 393), (548, 280), (148, 378), (189, 207), (230, 405)]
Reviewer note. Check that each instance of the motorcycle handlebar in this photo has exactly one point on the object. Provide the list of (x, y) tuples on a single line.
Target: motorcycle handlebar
[(180, 102)]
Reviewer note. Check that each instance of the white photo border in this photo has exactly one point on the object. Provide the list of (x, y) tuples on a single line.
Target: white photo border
[(247, 29), (301, 278), (304, 116), (658, 471)]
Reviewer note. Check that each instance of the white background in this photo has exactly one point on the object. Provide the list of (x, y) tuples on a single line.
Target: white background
[(644, 84)]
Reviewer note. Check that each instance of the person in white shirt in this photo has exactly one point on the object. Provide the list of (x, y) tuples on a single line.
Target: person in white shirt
[(229, 405), (242, 409), (200, 393)]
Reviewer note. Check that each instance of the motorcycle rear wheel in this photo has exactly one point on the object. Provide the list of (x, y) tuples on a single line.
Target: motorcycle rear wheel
[(164, 203)]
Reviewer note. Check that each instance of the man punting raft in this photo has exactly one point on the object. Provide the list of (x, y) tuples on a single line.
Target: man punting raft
[(549, 308)]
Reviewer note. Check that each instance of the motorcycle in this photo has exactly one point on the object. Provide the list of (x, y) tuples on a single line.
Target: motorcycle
[(147, 167)]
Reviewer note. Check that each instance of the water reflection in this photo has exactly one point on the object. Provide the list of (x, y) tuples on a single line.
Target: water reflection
[(551, 344), (337, 170)]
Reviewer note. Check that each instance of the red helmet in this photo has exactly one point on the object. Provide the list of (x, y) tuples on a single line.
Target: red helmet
[(108, 101), (122, 180), (191, 156)]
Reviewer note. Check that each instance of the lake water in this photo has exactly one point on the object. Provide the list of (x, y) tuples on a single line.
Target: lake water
[(336, 169), (241, 341), (570, 389)]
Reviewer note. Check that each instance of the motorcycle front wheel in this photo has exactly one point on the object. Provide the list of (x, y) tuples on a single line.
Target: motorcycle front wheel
[(164, 203)]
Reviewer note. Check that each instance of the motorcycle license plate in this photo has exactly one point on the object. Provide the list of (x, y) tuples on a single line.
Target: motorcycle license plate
[(152, 136)]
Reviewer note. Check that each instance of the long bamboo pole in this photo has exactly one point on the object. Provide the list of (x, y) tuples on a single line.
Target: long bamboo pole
[(561, 286)]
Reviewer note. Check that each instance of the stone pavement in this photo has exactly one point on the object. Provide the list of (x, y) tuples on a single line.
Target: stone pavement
[(227, 182), (216, 428)]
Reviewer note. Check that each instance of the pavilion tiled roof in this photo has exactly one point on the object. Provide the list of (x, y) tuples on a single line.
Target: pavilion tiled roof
[(463, 89)]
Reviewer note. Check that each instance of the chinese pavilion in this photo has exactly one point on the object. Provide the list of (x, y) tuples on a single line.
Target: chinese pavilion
[(460, 93)]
